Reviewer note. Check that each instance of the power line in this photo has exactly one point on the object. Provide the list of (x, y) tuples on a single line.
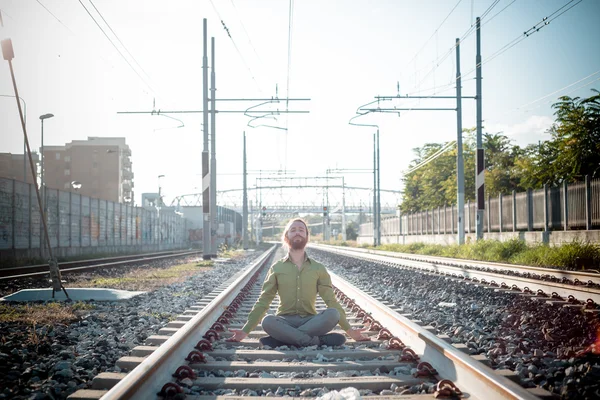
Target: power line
[(536, 28), (289, 57), (55, 17), (439, 61), (246, 32), (433, 34), (560, 90), (116, 48), (235, 46), (117, 37)]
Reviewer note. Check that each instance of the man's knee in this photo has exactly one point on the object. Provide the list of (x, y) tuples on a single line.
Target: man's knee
[(332, 314), (268, 321)]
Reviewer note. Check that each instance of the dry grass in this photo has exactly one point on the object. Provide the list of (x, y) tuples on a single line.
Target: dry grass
[(146, 279), (42, 314)]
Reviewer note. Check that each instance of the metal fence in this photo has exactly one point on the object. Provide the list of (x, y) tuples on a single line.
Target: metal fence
[(574, 206), (79, 221)]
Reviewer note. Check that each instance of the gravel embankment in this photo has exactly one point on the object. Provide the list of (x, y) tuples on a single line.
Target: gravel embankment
[(546, 345), (53, 361)]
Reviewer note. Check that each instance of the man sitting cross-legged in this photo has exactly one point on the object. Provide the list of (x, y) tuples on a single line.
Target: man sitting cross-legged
[(298, 279)]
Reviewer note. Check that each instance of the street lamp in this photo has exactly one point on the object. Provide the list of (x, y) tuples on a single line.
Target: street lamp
[(76, 185), (42, 184), (42, 118)]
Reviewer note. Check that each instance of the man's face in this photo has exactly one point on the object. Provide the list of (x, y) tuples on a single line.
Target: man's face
[(297, 235)]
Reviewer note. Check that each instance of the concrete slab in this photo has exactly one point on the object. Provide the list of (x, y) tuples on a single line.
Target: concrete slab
[(76, 294)]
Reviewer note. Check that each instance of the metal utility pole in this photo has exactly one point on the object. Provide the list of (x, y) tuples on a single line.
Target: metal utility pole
[(460, 173), (343, 210), (206, 228), (375, 188), (245, 202), (213, 159), (378, 202), (479, 167)]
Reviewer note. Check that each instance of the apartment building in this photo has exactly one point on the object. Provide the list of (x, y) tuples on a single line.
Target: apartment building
[(15, 166), (102, 165)]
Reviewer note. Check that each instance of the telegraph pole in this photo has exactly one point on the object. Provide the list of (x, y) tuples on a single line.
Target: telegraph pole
[(213, 160), (206, 228), (479, 168), (460, 173)]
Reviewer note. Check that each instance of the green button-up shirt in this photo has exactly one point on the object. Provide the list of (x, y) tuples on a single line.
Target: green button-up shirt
[(297, 289)]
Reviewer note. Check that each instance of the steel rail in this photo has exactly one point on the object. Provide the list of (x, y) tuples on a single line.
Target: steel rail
[(469, 375), (142, 382), (77, 263), (559, 273), (580, 292), (104, 265)]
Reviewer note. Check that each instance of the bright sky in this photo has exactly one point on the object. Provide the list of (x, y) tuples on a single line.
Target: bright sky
[(343, 53)]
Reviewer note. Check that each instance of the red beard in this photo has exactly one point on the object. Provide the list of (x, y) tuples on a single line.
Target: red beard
[(298, 243)]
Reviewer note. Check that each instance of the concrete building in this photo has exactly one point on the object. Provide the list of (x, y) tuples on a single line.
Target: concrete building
[(12, 166), (102, 165)]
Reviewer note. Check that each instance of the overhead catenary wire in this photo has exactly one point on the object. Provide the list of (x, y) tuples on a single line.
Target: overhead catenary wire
[(116, 48), (247, 34), (119, 40), (536, 28), (289, 67), (432, 157), (55, 17), (235, 46), (433, 34), (440, 60)]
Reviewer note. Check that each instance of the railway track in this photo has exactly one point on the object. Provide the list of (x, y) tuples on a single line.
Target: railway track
[(554, 286), (86, 265), (191, 359)]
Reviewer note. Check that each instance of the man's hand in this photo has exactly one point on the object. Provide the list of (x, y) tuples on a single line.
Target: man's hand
[(238, 335), (356, 334)]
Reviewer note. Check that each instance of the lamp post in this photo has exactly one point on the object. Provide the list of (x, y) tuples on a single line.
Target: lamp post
[(43, 183)]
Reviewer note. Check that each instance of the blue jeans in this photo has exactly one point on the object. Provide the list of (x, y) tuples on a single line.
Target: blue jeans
[(300, 331)]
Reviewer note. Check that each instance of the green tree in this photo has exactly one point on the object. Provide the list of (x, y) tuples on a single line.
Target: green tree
[(576, 138), (351, 231)]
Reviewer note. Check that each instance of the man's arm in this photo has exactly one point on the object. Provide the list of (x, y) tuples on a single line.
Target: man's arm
[(269, 291), (326, 292)]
